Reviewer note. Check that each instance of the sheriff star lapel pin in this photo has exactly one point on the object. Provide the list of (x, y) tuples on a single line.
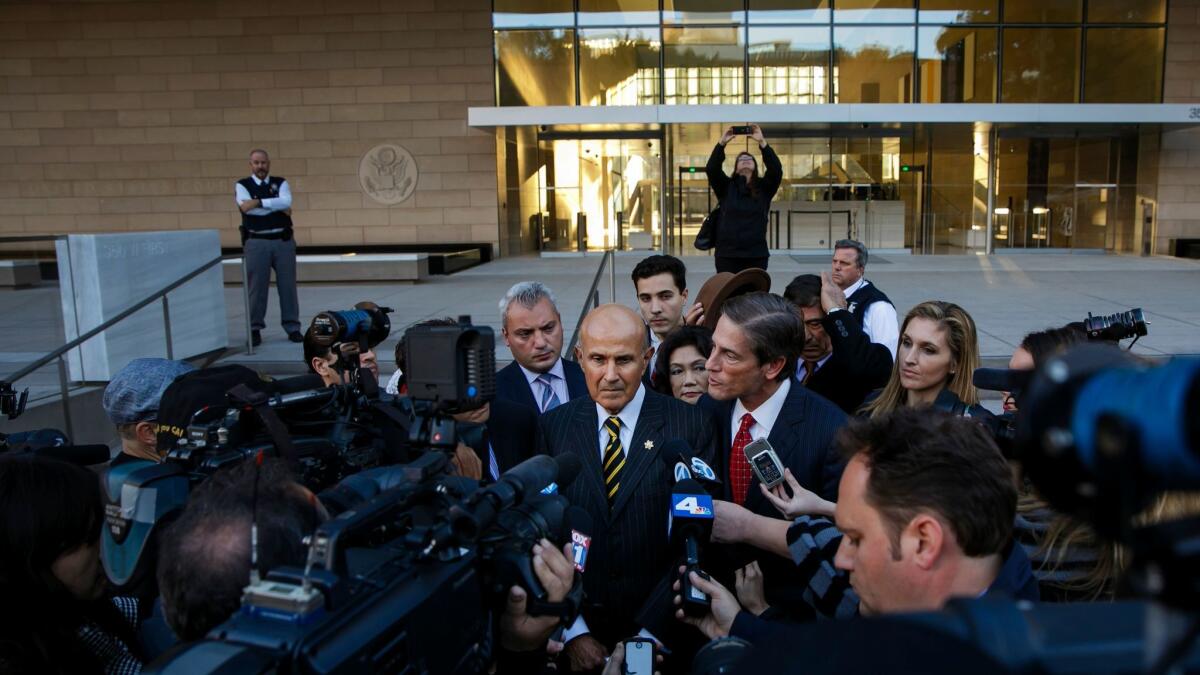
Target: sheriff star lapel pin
[(649, 445)]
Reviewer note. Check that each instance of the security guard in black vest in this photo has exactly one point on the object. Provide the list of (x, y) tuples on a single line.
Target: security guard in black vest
[(267, 243)]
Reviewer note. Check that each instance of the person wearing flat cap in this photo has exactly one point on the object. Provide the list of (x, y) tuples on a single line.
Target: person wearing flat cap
[(131, 402)]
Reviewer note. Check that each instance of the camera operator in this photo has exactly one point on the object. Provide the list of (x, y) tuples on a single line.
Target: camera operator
[(925, 514), (57, 617), (131, 401), (324, 361), (204, 560)]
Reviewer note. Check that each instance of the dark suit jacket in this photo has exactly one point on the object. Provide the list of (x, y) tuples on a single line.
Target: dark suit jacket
[(803, 437), (512, 431), (855, 369), (511, 384), (629, 554)]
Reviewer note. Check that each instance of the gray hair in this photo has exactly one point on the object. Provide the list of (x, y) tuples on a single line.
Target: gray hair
[(857, 246), (771, 325), (526, 294), (257, 151)]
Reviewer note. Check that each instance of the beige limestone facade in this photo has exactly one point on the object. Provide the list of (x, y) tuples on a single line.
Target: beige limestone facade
[(140, 115)]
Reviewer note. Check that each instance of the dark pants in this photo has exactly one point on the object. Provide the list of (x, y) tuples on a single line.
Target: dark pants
[(735, 265), (263, 255)]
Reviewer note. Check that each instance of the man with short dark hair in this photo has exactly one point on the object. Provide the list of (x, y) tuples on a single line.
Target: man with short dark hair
[(660, 282), (838, 361), (538, 376), (925, 514), (265, 202), (755, 349), (863, 299), (752, 395), (204, 561)]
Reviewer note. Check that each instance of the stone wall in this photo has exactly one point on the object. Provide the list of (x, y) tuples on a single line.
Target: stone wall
[(1179, 159), (140, 115)]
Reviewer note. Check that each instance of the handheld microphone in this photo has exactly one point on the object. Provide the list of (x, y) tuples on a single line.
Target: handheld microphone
[(690, 526), (580, 526), (678, 454)]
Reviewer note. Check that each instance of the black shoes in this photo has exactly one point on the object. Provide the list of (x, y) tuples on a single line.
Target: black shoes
[(255, 338), (295, 336)]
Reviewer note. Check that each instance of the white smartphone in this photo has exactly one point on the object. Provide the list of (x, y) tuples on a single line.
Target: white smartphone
[(639, 656)]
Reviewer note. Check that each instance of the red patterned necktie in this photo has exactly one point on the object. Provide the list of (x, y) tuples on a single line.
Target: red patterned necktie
[(739, 466)]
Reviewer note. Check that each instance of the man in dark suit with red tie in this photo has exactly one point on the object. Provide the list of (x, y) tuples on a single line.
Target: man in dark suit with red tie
[(618, 433), (752, 395)]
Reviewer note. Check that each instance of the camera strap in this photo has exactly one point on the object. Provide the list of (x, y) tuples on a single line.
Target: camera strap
[(260, 402)]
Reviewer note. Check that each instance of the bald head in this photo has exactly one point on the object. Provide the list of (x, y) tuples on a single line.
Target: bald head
[(613, 351), (613, 320)]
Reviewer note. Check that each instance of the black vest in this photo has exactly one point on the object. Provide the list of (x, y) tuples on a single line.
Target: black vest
[(270, 190), (864, 297)]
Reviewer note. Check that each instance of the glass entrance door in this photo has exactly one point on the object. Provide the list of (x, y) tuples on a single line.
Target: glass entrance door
[(600, 193)]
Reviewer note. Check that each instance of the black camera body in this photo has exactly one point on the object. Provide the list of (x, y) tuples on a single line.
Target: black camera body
[(385, 580)]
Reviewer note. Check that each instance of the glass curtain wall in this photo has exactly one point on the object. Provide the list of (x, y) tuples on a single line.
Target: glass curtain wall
[(690, 52)]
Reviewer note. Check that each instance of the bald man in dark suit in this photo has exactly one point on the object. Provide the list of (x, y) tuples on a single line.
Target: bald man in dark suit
[(618, 433)]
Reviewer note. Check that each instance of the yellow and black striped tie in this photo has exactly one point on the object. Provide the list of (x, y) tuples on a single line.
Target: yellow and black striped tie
[(614, 458)]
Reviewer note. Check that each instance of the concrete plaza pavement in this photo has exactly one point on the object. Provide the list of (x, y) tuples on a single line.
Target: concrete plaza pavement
[(1008, 295)]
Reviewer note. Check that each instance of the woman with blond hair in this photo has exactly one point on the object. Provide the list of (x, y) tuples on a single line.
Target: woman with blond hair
[(936, 357)]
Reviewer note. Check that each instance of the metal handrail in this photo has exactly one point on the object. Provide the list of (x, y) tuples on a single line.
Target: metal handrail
[(593, 297), (161, 294)]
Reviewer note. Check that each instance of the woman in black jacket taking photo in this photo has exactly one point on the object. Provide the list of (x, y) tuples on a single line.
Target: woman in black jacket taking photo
[(745, 200)]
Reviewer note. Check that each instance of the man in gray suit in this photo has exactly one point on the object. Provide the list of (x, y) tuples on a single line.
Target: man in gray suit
[(618, 433)]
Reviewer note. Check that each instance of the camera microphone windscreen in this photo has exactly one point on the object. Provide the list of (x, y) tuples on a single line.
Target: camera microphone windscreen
[(1001, 379), (581, 527)]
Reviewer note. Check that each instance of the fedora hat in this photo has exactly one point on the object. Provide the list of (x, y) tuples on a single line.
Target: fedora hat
[(724, 285)]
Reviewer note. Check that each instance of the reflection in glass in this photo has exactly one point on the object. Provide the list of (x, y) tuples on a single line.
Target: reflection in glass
[(1123, 65), (618, 66), (1127, 11), (532, 13), (535, 67), (959, 11), (618, 12), (1041, 65), (789, 65), (703, 11), (1043, 11), (789, 11), (958, 65), (874, 11), (702, 65), (873, 64)]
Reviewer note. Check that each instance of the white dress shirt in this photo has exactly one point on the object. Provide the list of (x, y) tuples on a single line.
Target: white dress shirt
[(280, 203), (629, 417), (879, 321), (655, 342), (558, 383), (764, 415)]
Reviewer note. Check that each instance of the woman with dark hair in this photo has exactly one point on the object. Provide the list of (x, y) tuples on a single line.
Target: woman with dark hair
[(57, 618), (679, 363), (745, 200)]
